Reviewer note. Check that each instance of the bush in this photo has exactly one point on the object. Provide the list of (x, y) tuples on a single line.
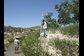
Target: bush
[(68, 48), (8, 39), (31, 45), (6, 44), (71, 30)]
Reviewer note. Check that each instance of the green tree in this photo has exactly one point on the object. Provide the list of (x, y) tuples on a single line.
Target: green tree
[(51, 21), (66, 9), (75, 9)]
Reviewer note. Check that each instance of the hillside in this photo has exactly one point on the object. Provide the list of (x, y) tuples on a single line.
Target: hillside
[(19, 29), (35, 27)]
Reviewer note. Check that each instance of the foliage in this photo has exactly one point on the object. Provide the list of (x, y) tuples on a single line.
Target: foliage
[(6, 44), (71, 30), (31, 45), (51, 21), (66, 9), (7, 40), (68, 48)]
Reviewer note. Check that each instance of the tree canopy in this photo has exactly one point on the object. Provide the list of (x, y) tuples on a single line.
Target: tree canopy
[(68, 11), (51, 21)]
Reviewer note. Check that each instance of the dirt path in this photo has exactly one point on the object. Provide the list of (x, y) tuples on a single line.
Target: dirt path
[(10, 51)]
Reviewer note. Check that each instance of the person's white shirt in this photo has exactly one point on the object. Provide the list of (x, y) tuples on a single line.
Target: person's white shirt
[(16, 41), (45, 25)]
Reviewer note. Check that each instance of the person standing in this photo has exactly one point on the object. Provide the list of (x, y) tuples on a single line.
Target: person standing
[(44, 27)]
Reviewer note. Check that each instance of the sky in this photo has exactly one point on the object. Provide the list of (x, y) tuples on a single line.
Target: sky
[(28, 13)]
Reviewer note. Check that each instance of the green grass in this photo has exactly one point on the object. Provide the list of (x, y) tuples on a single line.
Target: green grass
[(70, 30), (68, 48)]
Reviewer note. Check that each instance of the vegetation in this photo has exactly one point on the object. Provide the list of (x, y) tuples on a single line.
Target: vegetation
[(70, 30), (68, 48), (31, 45), (7, 40), (68, 12), (51, 21)]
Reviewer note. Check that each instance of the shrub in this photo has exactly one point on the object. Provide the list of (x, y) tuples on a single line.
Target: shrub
[(68, 48), (31, 45), (6, 44), (71, 30)]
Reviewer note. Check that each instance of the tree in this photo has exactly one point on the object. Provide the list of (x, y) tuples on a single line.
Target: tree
[(51, 21), (66, 9), (75, 9)]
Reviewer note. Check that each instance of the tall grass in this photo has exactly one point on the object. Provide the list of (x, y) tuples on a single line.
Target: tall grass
[(70, 30), (68, 48)]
